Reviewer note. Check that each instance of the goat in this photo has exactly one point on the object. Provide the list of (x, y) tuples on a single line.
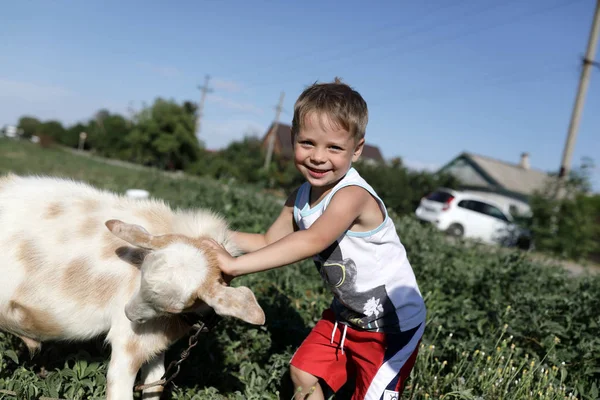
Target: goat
[(78, 262)]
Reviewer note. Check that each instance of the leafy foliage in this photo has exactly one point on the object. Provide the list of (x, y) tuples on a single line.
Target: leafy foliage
[(29, 125), (479, 303), (164, 136), (566, 217)]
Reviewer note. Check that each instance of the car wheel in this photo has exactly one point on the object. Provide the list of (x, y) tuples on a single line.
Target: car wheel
[(525, 243), (456, 230)]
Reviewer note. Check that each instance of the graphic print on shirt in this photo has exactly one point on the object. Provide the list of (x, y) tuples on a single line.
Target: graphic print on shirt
[(368, 310)]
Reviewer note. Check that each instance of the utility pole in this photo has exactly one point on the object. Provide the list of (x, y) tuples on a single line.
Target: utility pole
[(274, 131), (588, 62), (204, 89)]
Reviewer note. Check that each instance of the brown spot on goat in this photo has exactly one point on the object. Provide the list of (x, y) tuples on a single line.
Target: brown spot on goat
[(29, 255), (33, 321), (98, 290), (90, 205), (137, 354), (54, 210), (63, 237), (213, 272), (89, 227), (157, 221)]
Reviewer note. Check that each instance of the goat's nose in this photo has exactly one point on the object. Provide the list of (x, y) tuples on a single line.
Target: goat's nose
[(133, 316)]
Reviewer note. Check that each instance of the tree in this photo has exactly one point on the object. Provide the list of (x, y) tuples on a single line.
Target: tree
[(566, 224), (29, 125), (108, 135), (53, 129), (164, 136), (71, 136)]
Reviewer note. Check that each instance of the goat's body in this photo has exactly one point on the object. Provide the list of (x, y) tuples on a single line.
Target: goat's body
[(65, 276)]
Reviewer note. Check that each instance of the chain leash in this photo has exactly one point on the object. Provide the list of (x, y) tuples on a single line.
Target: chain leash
[(192, 342)]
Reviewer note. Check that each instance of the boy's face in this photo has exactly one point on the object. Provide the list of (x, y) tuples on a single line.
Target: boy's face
[(323, 151)]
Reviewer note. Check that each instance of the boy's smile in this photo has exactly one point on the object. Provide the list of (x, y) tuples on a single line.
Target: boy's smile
[(324, 151), (317, 173)]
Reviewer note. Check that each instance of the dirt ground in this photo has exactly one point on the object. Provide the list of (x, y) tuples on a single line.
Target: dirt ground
[(575, 268)]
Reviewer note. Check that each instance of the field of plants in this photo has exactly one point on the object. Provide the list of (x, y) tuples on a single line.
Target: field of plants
[(499, 325)]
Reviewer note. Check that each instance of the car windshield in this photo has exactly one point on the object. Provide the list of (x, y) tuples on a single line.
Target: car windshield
[(439, 196)]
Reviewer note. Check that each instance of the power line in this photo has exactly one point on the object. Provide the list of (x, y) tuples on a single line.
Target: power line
[(493, 81), (369, 42), (313, 53), (360, 58), (357, 53)]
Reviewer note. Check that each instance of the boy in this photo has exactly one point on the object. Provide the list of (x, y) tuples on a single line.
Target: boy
[(377, 318)]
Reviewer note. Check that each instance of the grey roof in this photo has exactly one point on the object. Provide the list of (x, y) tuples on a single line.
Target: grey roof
[(510, 176)]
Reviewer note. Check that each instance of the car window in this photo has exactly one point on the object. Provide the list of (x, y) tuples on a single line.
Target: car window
[(439, 196), (477, 206), (468, 204), (483, 208), (495, 212)]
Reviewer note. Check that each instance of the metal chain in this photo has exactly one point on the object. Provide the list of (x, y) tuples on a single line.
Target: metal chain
[(192, 342)]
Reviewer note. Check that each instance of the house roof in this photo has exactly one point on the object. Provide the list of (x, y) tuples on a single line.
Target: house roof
[(284, 137), (512, 177), (372, 152)]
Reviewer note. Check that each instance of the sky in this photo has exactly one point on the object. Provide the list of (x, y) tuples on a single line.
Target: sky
[(439, 77)]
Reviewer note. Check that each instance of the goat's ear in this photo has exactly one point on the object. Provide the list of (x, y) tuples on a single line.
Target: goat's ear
[(135, 234), (238, 302)]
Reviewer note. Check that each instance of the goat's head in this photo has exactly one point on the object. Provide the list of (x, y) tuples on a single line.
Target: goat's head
[(179, 274)]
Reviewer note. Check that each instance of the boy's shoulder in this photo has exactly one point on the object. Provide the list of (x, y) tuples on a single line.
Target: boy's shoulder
[(291, 199)]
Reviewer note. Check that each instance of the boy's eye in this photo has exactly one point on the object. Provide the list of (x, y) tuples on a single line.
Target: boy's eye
[(305, 143), (336, 148)]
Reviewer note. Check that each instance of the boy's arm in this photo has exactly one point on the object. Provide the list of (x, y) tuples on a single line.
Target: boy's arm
[(345, 207), (283, 225)]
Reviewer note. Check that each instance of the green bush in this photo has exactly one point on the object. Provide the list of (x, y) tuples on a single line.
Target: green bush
[(566, 216)]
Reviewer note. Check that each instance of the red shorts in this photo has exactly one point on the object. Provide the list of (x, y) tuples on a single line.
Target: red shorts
[(380, 362)]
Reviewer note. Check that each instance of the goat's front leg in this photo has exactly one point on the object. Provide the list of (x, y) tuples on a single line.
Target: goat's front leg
[(122, 370), (152, 371)]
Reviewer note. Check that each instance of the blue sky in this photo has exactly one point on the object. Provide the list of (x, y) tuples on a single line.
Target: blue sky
[(440, 77)]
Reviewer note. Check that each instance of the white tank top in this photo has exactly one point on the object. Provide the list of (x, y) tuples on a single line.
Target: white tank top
[(373, 283)]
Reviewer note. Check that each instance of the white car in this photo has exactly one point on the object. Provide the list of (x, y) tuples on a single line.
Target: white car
[(468, 215)]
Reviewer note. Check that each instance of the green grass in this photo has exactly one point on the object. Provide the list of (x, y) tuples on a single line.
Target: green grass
[(500, 326)]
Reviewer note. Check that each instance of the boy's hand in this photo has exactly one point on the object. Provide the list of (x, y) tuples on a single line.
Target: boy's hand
[(224, 258)]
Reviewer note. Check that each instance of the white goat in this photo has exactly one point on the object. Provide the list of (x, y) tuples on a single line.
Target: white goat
[(65, 276)]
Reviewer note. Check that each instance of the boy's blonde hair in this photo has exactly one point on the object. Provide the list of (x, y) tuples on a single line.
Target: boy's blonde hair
[(344, 105)]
